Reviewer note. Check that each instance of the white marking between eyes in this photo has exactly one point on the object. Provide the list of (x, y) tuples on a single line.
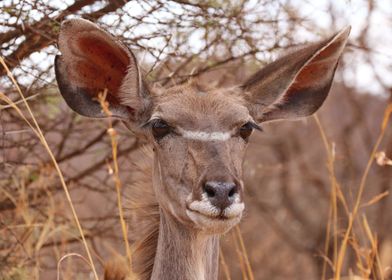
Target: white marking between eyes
[(206, 136)]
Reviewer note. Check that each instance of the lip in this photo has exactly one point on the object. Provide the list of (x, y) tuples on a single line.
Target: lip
[(219, 217)]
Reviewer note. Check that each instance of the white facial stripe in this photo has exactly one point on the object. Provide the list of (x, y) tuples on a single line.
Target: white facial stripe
[(206, 136), (155, 116)]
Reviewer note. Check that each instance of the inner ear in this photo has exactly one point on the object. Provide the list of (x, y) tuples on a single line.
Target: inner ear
[(96, 62), (93, 61), (295, 85)]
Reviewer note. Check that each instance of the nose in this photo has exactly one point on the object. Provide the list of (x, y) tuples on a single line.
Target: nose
[(220, 194)]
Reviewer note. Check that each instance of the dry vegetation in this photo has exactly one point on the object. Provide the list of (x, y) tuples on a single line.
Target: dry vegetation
[(317, 191)]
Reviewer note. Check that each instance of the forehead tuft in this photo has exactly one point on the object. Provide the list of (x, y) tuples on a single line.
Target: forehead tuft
[(195, 107)]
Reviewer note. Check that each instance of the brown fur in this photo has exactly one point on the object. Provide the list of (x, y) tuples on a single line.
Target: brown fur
[(143, 220), (143, 213), (174, 224), (116, 269)]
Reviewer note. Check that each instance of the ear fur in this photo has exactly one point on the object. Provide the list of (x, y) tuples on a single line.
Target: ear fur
[(93, 61), (297, 84)]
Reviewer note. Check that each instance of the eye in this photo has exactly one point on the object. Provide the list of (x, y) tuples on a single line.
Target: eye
[(160, 128), (246, 129)]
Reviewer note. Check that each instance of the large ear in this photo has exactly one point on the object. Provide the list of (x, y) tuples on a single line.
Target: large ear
[(297, 84), (93, 61)]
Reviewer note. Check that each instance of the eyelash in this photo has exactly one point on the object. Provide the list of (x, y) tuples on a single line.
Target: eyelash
[(246, 130), (160, 128)]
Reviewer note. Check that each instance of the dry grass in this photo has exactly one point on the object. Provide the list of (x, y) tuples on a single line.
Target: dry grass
[(369, 261), (115, 171), (31, 235), (38, 132)]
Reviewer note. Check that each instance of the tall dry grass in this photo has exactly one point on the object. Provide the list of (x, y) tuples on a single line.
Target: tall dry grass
[(38, 132), (369, 262), (365, 246)]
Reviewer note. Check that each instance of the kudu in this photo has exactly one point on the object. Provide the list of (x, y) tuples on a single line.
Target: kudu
[(199, 135)]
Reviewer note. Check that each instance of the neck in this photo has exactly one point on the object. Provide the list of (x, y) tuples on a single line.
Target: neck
[(184, 253)]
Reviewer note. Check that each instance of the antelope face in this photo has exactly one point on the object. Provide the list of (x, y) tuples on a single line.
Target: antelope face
[(199, 138), (199, 135)]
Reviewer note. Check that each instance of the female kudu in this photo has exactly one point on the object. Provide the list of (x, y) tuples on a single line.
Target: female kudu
[(199, 137)]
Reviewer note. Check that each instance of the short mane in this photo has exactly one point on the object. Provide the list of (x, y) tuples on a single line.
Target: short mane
[(143, 214)]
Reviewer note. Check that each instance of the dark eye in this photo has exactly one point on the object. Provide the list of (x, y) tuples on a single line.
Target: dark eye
[(160, 129), (246, 130)]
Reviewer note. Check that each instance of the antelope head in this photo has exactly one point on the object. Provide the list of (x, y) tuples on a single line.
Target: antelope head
[(199, 134)]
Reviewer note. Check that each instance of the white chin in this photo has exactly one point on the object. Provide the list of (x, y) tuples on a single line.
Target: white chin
[(211, 224)]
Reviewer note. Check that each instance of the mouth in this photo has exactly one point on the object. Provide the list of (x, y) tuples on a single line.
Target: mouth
[(212, 219), (223, 215), (219, 217)]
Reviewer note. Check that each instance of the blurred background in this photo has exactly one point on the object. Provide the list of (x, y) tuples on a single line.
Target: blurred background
[(302, 177)]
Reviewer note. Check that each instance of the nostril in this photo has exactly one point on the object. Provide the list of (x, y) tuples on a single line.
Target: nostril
[(209, 190), (233, 191), (220, 194)]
